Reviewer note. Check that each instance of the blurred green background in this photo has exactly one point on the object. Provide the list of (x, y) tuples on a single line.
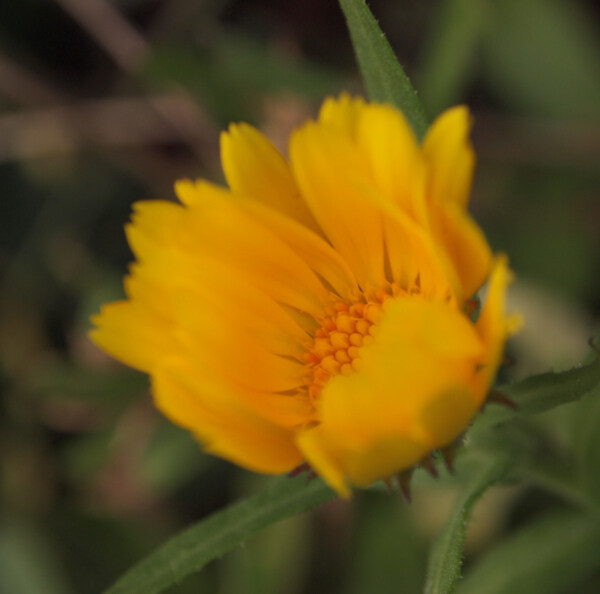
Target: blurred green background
[(103, 103)]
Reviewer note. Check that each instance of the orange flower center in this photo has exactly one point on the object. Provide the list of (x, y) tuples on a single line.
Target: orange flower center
[(337, 342)]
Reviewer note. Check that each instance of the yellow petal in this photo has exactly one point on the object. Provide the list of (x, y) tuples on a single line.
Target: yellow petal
[(221, 228), (493, 325), (414, 254), (223, 424), (230, 328), (447, 415), (132, 333), (347, 216), (391, 151), (342, 114), (219, 287), (467, 247), (153, 294), (315, 251), (213, 339), (450, 157), (412, 393), (419, 350), (384, 457), (255, 168), (322, 459), (154, 224), (242, 302)]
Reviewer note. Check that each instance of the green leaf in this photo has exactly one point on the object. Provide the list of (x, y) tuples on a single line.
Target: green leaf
[(540, 393), (384, 77), (549, 556), (539, 461), (28, 560), (195, 547), (443, 570)]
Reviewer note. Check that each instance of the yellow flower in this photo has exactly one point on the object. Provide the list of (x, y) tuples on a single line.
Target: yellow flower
[(318, 309)]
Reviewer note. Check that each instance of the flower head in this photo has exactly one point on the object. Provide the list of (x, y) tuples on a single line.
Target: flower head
[(318, 309)]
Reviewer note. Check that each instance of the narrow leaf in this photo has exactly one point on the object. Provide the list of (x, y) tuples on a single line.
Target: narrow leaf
[(193, 548), (540, 393), (384, 77), (443, 570), (549, 556)]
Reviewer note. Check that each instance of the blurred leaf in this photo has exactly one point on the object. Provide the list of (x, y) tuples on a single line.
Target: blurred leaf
[(445, 558), (28, 564), (543, 56), (383, 75), (189, 551), (450, 53), (548, 556)]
